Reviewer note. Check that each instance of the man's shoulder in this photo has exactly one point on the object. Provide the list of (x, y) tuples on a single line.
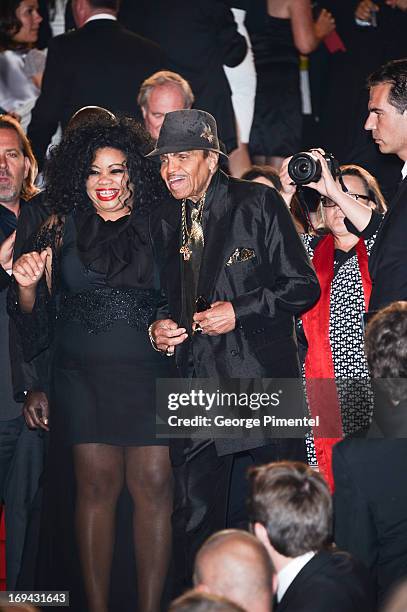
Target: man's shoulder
[(331, 577), (254, 192)]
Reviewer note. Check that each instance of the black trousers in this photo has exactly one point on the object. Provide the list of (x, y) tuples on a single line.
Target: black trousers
[(210, 494)]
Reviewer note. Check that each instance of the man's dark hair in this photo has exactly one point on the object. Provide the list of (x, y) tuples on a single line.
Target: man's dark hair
[(292, 501), (195, 601), (386, 350), (394, 73), (112, 5)]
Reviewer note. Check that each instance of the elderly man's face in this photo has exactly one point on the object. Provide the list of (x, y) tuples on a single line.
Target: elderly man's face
[(163, 99), (388, 126), (14, 166), (187, 174)]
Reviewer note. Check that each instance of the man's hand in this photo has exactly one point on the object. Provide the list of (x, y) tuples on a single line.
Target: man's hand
[(166, 335), (36, 410), (6, 251), (219, 319), (364, 10)]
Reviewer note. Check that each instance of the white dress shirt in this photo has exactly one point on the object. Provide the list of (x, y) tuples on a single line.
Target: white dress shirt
[(404, 170), (101, 16)]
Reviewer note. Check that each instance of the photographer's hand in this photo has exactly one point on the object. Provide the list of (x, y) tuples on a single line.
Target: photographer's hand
[(359, 214), (288, 188)]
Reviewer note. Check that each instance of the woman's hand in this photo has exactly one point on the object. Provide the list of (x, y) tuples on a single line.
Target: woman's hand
[(288, 188), (30, 267), (324, 25), (326, 185)]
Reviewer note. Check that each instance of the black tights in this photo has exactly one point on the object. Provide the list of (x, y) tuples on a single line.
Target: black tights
[(101, 471)]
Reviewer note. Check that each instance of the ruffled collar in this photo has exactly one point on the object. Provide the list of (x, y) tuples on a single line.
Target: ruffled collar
[(119, 250)]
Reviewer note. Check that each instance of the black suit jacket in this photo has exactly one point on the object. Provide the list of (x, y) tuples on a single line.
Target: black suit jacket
[(388, 259), (266, 291), (370, 503), (100, 64), (198, 37), (33, 375), (331, 581)]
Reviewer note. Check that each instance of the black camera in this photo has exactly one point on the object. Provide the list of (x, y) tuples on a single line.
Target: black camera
[(304, 168)]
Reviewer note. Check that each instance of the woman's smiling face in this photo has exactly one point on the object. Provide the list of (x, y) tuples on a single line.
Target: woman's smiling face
[(108, 182)]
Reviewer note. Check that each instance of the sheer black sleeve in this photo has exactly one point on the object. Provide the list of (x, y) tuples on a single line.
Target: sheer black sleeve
[(36, 328)]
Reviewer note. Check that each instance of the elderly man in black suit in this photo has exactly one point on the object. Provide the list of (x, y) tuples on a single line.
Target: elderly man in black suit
[(387, 121), (101, 63), (291, 514), (235, 273), (370, 499)]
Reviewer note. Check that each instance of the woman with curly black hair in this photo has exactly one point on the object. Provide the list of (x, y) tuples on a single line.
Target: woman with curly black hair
[(94, 255)]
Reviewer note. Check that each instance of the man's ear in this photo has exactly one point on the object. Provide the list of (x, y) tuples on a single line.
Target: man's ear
[(213, 159), (27, 167), (144, 111), (261, 534)]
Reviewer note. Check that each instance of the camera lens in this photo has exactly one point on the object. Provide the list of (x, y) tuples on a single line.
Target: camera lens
[(304, 169)]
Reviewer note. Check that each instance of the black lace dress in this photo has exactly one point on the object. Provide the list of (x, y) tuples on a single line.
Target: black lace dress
[(104, 294)]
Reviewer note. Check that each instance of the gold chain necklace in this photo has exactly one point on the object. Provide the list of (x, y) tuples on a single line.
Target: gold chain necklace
[(185, 249)]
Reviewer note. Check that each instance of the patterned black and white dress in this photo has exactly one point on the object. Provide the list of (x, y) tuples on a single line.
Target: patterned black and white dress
[(346, 336)]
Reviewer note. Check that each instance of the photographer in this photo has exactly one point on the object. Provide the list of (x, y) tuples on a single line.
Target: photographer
[(351, 208)]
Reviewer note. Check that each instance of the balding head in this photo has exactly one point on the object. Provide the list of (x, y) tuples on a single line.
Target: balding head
[(236, 565)]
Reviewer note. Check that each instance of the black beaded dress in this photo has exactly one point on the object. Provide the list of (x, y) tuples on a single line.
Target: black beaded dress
[(104, 295)]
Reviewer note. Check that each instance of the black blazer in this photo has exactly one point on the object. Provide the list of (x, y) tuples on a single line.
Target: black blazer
[(198, 37), (34, 375), (388, 259), (101, 64), (266, 290), (370, 503), (331, 581)]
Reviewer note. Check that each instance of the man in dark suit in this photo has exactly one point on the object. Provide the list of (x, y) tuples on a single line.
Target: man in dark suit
[(198, 38), (101, 63), (370, 499), (229, 249), (21, 450), (291, 513), (387, 121)]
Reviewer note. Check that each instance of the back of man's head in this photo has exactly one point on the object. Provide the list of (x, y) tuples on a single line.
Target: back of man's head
[(84, 9), (196, 601), (394, 73), (234, 564), (293, 504), (386, 350)]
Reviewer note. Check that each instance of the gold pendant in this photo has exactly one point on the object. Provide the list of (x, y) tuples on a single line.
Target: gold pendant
[(186, 252)]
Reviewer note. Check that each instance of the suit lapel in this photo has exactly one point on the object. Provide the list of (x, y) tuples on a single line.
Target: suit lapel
[(215, 232)]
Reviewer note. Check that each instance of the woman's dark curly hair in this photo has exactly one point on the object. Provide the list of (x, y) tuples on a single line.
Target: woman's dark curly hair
[(70, 161), (9, 24)]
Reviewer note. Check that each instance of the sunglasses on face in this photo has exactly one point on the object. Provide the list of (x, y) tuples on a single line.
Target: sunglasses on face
[(327, 203)]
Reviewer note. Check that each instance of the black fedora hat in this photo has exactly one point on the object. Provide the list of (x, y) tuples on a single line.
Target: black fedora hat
[(187, 130)]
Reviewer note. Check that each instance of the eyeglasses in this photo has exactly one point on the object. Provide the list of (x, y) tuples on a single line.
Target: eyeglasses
[(328, 203)]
